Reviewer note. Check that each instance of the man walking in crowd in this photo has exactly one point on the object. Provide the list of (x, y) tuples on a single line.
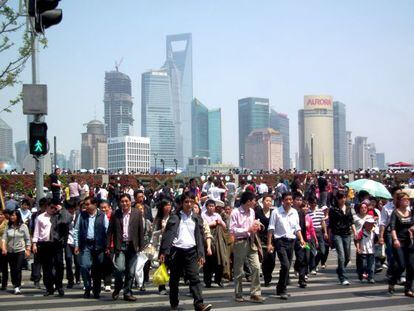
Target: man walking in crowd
[(284, 228), (90, 243), (127, 234), (243, 227), (300, 252), (55, 184), (182, 248)]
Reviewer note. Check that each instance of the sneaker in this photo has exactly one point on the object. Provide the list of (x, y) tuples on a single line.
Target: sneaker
[(284, 296), (345, 283), (37, 285), (323, 267), (204, 307), (239, 299), (107, 288), (17, 291), (306, 277), (313, 272), (402, 281), (371, 281), (163, 292), (256, 298)]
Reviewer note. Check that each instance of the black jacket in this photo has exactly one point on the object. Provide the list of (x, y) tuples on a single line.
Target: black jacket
[(135, 230), (339, 222), (171, 232), (61, 224), (99, 230)]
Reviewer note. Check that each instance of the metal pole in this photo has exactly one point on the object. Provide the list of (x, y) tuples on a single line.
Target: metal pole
[(54, 151), (312, 153)]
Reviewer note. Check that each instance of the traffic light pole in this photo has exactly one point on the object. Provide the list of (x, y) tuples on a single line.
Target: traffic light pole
[(39, 161)]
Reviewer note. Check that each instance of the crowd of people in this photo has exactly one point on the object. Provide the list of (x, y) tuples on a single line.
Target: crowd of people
[(111, 237)]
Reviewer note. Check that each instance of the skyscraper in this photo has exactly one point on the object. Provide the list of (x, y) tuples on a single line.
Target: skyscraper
[(75, 160), (316, 133), (372, 155), (22, 150), (118, 104), (200, 129), (254, 114), (381, 161), (94, 148), (264, 150), (6, 141), (340, 142), (214, 135), (360, 153), (157, 116), (280, 123), (179, 65)]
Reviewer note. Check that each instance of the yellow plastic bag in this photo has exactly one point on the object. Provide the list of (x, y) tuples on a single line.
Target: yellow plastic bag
[(161, 276)]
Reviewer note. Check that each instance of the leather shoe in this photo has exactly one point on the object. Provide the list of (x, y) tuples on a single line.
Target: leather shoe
[(256, 298), (96, 295), (302, 284), (48, 293), (87, 294), (61, 292), (115, 295), (129, 298)]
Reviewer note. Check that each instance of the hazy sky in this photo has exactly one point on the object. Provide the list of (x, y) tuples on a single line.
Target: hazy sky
[(360, 52)]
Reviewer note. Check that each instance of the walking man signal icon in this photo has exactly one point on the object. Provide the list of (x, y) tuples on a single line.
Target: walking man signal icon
[(38, 147)]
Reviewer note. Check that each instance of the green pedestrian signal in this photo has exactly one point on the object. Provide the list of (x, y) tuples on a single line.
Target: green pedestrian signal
[(38, 138)]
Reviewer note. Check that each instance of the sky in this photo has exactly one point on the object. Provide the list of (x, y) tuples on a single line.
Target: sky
[(360, 52)]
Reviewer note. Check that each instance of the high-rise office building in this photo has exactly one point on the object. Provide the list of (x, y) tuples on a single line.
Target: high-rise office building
[(381, 161), (75, 160), (264, 150), (372, 155), (6, 141), (254, 113), (22, 150), (200, 130), (214, 135), (340, 143), (349, 151), (157, 116), (316, 142), (179, 65), (94, 148), (360, 153), (130, 154), (61, 160), (118, 104), (280, 123)]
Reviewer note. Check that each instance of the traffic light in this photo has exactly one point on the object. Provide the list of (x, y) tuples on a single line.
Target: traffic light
[(38, 138), (45, 13)]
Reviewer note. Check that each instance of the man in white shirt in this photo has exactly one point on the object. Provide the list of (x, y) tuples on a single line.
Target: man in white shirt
[(283, 229)]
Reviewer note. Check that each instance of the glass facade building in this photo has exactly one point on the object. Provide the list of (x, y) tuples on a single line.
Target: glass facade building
[(254, 113), (280, 123), (200, 129), (6, 141), (340, 138), (157, 116), (179, 65), (214, 135)]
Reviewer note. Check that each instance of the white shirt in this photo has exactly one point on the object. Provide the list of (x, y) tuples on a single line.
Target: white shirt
[(186, 232), (284, 225), (263, 188), (367, 242), (386, 212), (104, 193), (214, 193)]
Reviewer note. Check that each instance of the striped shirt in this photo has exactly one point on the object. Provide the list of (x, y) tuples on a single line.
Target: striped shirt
[(317, 216)]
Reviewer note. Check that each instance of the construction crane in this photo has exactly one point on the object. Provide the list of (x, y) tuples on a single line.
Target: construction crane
[(118, 64)]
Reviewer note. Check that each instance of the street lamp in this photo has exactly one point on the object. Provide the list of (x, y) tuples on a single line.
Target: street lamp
[(242, 161), (176, 165), (163, 165), (312, 155), (155, 162)]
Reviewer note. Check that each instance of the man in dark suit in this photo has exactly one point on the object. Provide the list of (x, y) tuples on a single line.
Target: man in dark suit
[(126, 231)]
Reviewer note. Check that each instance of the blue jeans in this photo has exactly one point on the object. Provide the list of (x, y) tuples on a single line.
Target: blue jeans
[(91, 265), (125, 262), (367, 265), (343, 251)]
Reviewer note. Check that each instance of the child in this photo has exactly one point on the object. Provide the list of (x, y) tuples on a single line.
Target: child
[(365, 247)]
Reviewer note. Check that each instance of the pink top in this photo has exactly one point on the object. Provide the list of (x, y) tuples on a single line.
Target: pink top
[(240, 222), (213, 218), (42, 228), (125, 222), (310, 230)]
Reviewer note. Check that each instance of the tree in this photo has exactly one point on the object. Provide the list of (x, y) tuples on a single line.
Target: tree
[(16, 52)]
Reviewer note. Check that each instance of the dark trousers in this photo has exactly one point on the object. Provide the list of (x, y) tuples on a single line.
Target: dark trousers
[(389, 252), (4, 270), (316, 259), (36, 274), (268, 265), (325, 256), (403, 260), (301, 261), (16, 263), (211, 267), (125, 263), (366, 265), (51, 257), (71, 258), (184, 260), (147, 268), (108, 269), (284, 249), (91, 265)]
